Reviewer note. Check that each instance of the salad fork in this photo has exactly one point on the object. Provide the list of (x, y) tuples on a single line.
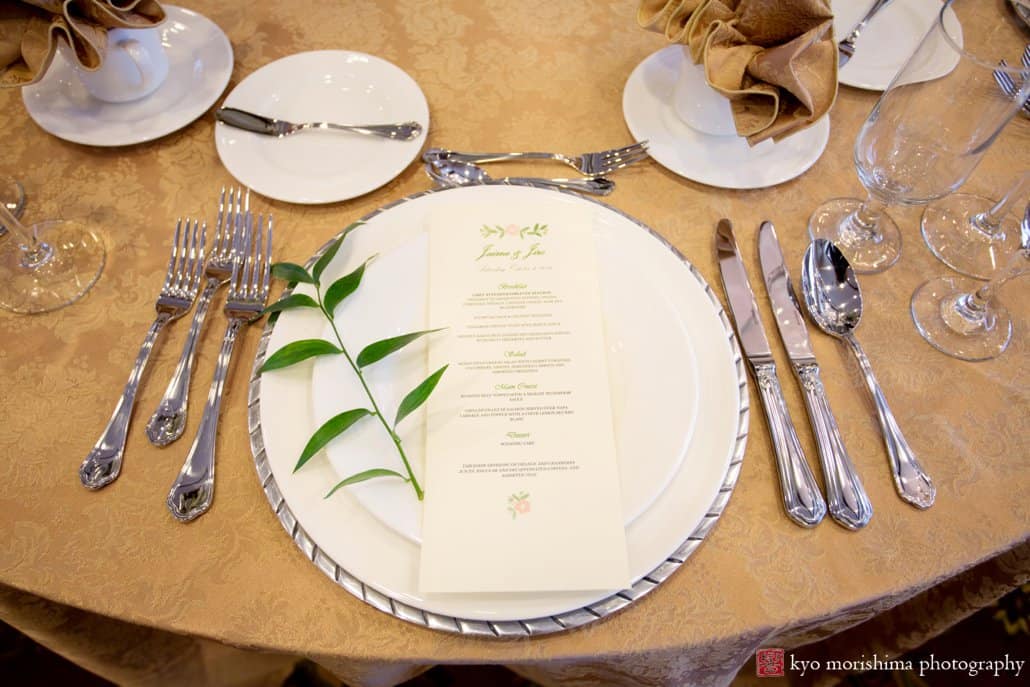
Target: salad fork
[(169, 420), (193, 491), (182, 281), (589, 164)]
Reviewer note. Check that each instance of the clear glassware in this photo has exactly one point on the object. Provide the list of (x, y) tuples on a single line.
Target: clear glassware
[(963, 317), (47, 265), (923, 138), (972, 234)]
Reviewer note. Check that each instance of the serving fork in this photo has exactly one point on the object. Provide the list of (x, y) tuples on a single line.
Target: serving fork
[(589, 164), (193, 491), (182, 282), (169, 420)]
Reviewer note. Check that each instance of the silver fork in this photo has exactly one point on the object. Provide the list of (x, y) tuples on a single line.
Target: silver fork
[(1007, 85), (589, 164), (182, 282), (193, 491), (169, 420)]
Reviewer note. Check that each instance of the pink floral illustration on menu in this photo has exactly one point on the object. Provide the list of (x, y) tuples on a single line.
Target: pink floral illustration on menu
[(518, 504)]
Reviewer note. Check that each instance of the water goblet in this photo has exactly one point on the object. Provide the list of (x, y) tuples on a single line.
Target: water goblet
[(971, 234), (923, 139), (47, 265), (963, 317)]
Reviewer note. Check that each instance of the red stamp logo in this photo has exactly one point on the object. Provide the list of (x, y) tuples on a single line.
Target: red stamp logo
[(769, 662)]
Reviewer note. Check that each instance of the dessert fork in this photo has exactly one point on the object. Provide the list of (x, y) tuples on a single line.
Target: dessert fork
[(589, 164), (169, 420), (182, 282), (193, 491)]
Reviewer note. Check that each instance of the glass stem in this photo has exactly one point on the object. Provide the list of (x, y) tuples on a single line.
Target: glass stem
[(989, 221), (862, 223), (975, 308), (34, 252)]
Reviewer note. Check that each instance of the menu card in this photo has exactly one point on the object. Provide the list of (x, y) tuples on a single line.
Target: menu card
[(522, 486)]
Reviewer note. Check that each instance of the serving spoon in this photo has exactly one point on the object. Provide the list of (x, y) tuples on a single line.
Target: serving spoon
[(454, 173), (834, 302)]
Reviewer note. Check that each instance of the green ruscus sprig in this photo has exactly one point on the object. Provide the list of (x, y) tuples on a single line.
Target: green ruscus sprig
[(326, 302)]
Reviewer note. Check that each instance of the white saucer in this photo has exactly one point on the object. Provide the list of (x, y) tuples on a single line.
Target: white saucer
[(889, 40), (200, 64), (724, 161), (323, 166)]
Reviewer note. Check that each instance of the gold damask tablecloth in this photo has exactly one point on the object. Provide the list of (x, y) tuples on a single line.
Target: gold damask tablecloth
[(112, 581)]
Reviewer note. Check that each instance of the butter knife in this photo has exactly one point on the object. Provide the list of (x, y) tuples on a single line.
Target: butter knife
[(801, 497), (280, 128), (846, 498)]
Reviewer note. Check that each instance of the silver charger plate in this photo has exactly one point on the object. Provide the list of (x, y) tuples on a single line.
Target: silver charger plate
[(493, 628)]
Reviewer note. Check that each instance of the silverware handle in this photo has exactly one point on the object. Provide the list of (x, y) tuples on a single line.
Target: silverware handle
[(597, 186), (169, 420), (801, 497), (194, 489), (401, 132), (876, 7), (846, 498), (911, 481), (104, 462), (499, 157)]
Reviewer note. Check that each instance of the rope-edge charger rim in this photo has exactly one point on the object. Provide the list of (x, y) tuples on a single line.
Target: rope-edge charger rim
[(510, 628)]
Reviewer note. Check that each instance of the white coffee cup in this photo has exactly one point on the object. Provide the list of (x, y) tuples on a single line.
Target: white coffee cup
[(134, 65), (699, 105)]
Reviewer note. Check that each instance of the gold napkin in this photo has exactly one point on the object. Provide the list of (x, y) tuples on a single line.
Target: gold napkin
[(31, 29), (776, 60)]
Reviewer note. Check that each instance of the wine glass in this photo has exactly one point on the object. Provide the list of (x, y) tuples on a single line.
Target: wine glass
[(963, 317), (926, 134), (972, 234), (47, 265)]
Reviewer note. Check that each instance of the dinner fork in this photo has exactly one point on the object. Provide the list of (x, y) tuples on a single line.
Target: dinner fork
[(169, 420), (182, 281), (589, 164), (193, 491), (1007, 85)]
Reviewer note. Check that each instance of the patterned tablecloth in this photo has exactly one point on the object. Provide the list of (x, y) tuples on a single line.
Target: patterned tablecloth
[(112, 581)]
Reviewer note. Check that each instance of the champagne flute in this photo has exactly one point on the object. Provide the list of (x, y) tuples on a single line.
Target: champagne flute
[(47, 265), (923, 139), (963, 317)]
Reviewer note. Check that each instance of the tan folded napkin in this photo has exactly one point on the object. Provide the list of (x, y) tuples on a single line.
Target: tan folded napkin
[(776, 60), (31, 29)]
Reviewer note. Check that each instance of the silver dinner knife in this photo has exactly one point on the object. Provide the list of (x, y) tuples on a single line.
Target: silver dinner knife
[(280, 128), (801, 497), (847, 501)]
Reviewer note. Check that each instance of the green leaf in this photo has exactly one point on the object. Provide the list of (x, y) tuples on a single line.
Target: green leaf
[(292, 272), (295, 300), (417, 396), (297, 351), (343, 287), (326, 258), (366, 475), (374, 352), (333, 428)]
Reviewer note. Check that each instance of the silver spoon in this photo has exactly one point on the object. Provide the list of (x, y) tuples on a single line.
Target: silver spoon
[(453, 173), (834, 302)]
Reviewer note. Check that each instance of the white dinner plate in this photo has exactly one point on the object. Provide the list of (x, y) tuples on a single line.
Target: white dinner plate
[(639, 272), (723, 161), (317, 166), (200, 63), (651, 367), (889, 40)]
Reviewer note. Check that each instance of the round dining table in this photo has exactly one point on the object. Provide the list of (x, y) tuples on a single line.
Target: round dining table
[(111, 581)]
